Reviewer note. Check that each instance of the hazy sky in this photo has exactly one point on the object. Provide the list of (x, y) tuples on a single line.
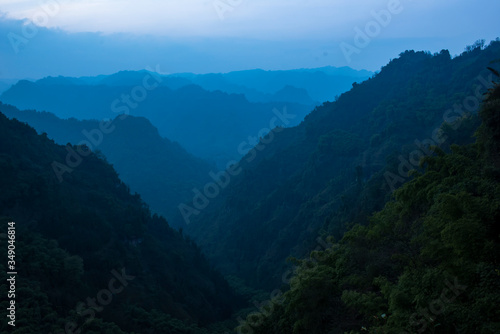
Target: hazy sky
[(88, 37)]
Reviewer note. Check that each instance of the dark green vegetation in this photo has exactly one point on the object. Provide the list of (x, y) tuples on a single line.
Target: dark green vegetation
[(72, 235), (161, 171), (429, 262), (341, 164)]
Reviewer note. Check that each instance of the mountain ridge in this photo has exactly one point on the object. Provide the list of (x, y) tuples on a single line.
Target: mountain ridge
[(302, 184), (158, 169), (76, 235)]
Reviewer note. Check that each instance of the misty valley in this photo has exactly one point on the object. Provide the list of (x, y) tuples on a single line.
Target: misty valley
[(305, 200)]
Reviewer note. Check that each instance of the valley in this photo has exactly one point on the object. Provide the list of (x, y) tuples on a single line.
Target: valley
[(290, 197)]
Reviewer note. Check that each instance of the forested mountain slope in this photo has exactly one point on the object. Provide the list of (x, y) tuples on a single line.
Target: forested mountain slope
[(160, 170), (428, 262), (341, 164), (88, 237)]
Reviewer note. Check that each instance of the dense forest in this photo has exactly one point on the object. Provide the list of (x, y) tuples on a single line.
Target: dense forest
[(74, 236), (342, 163), (378, 213), (428, 262)]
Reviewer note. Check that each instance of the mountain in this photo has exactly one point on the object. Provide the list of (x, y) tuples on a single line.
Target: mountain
[(384, 201), (320, 84), (340, 165), (215, 126), (426, 263), (155, 167), (6, 84), (89, 255), (134, 78), (293, 94)]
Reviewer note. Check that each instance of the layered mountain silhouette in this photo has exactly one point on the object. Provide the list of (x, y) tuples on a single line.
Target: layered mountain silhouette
[(362, 213), (155, 167), (210, 119)]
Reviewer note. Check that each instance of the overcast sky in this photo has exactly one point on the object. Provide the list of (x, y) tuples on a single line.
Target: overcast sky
[(88, 37)]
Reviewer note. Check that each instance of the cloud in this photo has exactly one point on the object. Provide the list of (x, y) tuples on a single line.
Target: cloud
[(244, 18), (147, 16), (103, 36), (262, 19)]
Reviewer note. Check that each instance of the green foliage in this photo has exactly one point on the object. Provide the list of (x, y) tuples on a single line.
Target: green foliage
[(71, 235), (327, 174), (427, 263), (338, 142)]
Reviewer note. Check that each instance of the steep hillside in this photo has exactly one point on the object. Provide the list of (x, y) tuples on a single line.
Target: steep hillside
[(161, 171), (427, 263), (89, 255), (331, 169)]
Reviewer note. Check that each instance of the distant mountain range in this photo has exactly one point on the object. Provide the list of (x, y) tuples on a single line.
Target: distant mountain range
[(321, 84), (211, 115), (6, 84)]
